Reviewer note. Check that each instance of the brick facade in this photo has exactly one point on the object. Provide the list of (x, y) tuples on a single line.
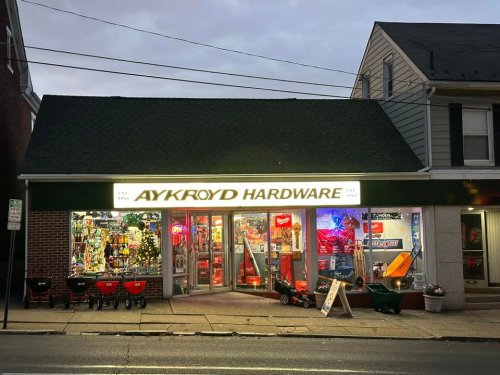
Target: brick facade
[(49, 254), (15, 133)]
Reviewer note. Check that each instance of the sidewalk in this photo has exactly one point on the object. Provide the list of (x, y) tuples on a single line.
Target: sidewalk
[(234, 313)]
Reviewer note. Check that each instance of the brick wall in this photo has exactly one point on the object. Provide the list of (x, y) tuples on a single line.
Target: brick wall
[(49, 253)]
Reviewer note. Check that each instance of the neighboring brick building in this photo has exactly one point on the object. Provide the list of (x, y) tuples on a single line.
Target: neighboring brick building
[(18, 108)]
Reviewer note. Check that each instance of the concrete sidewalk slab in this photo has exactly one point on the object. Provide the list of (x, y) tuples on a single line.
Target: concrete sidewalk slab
[(243, 314)]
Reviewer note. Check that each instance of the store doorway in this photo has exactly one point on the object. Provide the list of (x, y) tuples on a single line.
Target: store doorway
[(209, 252)]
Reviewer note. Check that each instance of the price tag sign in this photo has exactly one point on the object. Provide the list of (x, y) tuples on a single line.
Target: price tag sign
[(15, 210)]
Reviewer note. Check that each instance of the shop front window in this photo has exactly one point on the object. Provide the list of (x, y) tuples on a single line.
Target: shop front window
[(269, 245), (392, 255), (116, 242), (250, 249), (288, 247)]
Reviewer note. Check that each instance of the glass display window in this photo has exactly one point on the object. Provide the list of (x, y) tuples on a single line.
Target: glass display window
[(250, 249), (348, 240), (116, 241), (269, 244)]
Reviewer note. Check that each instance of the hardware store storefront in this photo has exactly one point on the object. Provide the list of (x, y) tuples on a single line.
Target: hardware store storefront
[(187, 238), (290, 162)]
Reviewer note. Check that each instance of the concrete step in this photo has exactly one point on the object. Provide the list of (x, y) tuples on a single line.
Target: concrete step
[(482, 305), (482, 298)]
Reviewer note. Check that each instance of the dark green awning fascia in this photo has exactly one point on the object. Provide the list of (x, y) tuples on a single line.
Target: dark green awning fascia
[(69, 196)]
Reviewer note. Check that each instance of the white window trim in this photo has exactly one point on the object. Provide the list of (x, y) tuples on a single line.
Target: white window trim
[(385, 82), (8, 46), (33, 119), (489, 124)]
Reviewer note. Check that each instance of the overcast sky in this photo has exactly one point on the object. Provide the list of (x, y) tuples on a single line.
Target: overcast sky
[(330, 34)]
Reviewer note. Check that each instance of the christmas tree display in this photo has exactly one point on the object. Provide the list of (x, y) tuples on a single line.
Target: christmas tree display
[(147, 248)]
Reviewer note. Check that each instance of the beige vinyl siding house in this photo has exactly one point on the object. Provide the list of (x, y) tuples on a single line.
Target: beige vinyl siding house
[(446, 105), (407, 88)]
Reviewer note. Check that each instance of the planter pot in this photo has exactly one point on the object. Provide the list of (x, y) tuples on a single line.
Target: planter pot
[(320, 299), (433, 303)]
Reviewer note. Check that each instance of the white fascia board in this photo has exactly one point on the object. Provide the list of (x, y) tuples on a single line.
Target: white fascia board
[(229, 177), (465, 174), (473, 85), (360, 69)]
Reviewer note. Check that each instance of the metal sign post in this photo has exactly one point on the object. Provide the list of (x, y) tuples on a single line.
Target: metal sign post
[(13, 224)]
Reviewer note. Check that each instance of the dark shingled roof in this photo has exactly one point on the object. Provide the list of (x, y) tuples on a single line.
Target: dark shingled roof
[(461, 52), (148, 136)]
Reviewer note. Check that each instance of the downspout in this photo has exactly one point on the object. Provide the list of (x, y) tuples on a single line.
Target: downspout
[(26, 196), (429, 133)]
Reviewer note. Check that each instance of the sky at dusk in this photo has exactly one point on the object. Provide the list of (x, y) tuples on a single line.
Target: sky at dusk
[(313, 41)]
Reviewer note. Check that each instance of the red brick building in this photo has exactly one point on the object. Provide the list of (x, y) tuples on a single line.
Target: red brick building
[(18, 108)]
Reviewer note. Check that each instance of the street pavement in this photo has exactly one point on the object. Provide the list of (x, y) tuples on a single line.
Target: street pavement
[(232, 313)]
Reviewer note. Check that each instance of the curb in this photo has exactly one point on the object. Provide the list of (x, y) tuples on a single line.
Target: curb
[(31, 332)]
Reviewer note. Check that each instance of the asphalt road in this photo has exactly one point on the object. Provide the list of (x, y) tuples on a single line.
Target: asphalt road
[(242, 355)]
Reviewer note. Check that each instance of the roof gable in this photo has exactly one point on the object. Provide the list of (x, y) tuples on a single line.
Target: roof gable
[(450, 52), (144, 136)]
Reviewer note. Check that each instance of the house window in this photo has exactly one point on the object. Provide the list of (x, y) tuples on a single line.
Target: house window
[(365, 86), (8, 44), (388, 79), (477, 127)]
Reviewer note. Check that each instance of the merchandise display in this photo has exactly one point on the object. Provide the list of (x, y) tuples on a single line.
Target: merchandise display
[(268, 244), (344, 248), (116, 242)]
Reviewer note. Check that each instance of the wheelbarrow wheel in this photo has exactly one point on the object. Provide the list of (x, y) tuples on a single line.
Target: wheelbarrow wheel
[(143, 302), (128, 303), (384, 309), (115, 303), (307, 304), (91, 302), (99, 303), (397, 309), (284, 299)]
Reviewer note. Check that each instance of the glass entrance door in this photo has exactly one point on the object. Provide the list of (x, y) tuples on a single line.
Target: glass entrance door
[(209, 251)]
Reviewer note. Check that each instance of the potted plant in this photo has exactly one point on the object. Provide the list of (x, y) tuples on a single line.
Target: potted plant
[(321, 291), (433, 297)]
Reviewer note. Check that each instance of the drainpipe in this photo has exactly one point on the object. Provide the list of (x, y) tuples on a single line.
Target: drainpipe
[(26, 196), (429, 133)]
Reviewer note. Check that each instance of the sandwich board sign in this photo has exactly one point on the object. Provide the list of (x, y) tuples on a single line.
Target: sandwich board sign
[(336, 288)]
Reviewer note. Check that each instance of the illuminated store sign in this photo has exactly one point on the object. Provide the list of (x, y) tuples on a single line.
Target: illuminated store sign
[(237, 194)]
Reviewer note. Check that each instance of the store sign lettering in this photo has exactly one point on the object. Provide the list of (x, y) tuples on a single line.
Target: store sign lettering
[(159, 195)]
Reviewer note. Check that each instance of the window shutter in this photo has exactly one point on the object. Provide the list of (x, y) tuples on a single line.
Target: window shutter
[(456, 135), (496, 133)]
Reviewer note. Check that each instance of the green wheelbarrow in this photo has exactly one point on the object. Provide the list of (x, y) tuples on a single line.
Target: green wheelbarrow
[(384, 298)]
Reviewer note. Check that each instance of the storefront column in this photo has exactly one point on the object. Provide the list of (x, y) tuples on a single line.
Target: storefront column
[(311, 249), (430, 257), (166, 254)]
